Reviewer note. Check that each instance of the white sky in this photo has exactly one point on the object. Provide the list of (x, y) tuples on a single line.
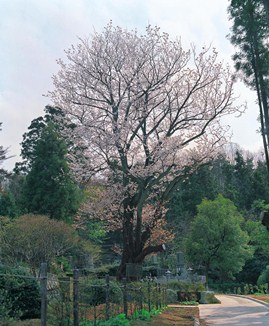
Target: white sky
[(34, 33)]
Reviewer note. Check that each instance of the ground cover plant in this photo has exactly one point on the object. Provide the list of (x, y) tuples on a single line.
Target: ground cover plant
[(180, 316)]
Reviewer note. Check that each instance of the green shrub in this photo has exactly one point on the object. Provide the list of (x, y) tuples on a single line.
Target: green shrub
[(264, 277), (20, 293), (189, 303), (93, 291), (142, 314), (6, 309), (119, 320), (171, 296), (185, 286)]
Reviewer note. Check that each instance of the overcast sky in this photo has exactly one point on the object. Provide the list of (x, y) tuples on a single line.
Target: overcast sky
[(34, 33)]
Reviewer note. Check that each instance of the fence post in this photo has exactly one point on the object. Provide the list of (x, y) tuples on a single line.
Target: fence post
[(159, 296), (163, 297), (75, 296), (149, 308), (43, 290), (107, 298), (125, 306), (141, 298)]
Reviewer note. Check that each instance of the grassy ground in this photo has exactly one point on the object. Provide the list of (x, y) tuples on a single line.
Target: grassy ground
[(173, 316), (176, 315)]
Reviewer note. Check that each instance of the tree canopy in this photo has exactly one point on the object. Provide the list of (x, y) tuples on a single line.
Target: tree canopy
[(145, 109), (33, 239), (216, 242), (49, 186), (250, 32)]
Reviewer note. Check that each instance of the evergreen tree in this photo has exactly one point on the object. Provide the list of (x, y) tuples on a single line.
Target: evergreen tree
[(244, 179), (30, 138), (8, 205), (260, 183), (3, 157), (249, 35), (48, 187)]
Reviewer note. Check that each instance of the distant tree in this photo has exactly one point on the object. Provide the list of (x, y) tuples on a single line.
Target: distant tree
[(264, 277), (259, 239), (8, 205), (3, 157), (146, 110), (243, 179), (260, 182), (216, 241)]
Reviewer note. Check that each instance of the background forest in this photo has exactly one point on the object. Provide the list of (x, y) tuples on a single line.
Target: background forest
[(44, 214)]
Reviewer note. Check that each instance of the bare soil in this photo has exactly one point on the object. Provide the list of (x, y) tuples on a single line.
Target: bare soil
[(264, 297)]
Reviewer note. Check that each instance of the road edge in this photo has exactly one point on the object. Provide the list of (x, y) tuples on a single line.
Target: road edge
[(250, 298)]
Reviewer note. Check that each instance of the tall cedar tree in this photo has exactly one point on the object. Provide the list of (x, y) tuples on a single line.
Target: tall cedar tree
[(49, 187), (250, 35)]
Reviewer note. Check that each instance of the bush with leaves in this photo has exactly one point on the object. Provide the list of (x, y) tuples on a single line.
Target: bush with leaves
[(93, 291), (264, 277), (34, 239), (20, 296)]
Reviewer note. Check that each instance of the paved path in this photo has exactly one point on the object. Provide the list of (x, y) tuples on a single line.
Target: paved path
[(235, 311)]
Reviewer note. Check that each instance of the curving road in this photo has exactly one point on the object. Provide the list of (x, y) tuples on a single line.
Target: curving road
[(235, 311)]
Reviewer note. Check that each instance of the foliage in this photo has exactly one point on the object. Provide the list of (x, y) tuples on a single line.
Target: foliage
[(119, 320), (3, 157), (49, 186), (20, 293), (253, 268), (6, 307), (59, 311), (264, 277), (171, 296), (249, 35), (234, 175), (216, 240), (93, 291), (33, 239), (142, 314), (145, 314), (8, 205), (259, 236), (185, 286), (189, 303), (148, 112)]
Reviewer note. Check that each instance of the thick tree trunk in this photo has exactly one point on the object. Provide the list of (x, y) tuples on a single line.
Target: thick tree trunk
[(135, 252), (129, 257)]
